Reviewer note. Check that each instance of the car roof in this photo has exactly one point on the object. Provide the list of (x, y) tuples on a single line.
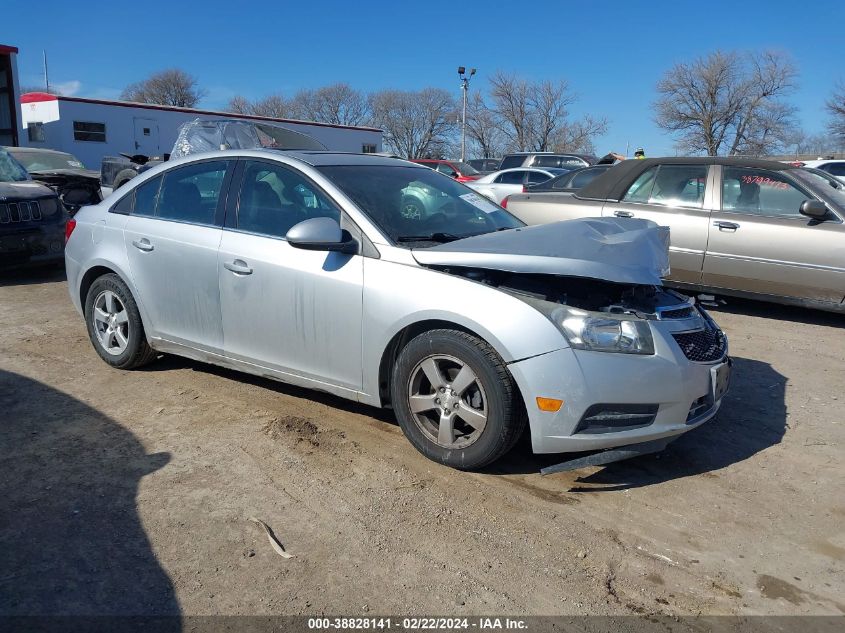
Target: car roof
[(612, 184), (34, 150), (322, 158)]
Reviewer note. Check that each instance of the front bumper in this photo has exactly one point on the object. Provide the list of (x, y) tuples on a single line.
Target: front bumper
[(31, 246), (583, 379)]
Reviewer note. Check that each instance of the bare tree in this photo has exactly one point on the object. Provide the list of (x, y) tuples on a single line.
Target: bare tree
[(239, 105), (577, 136), (727, 102), (171, 87), (274, 106), (535, 115), (836, 108), (512, 104), (485, 138), (415, 124), (339, 104)]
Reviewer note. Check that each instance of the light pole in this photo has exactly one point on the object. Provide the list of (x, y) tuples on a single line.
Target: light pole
[(464, 87)]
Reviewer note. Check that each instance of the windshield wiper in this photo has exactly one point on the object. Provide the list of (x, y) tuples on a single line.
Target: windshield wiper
[(431, 237)]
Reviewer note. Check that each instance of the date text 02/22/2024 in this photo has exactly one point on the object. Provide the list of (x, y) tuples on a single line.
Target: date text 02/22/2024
[(417, 624)]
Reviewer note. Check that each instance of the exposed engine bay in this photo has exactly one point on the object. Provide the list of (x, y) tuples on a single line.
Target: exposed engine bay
[(595, 295), (74, 190)]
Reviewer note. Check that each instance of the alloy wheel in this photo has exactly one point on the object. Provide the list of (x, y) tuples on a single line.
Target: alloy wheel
[(111, 323), (447, 401)]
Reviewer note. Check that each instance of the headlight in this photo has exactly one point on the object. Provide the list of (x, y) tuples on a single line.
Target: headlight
[(601, 332), (598, 331)]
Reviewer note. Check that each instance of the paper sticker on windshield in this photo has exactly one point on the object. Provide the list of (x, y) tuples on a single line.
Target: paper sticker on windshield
[(75, 163), (480, 202)]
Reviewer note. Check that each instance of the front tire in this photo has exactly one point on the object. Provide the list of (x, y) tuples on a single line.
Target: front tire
[(114, 324), (455, 399)]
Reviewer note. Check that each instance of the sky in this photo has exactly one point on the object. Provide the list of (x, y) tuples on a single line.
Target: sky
[(611, 52)]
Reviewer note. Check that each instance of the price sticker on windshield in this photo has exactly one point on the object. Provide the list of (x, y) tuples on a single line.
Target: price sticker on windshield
[(480, 202)]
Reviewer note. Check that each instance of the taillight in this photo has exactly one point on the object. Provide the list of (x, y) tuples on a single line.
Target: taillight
[(504, 204), (524, 188), (71, 224)]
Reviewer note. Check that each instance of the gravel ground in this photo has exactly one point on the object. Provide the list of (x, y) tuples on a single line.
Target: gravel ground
[(130, 492)]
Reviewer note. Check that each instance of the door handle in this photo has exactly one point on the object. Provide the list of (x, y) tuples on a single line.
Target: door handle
[(726, 226), (623, 214), (143, 244), (239, 267)]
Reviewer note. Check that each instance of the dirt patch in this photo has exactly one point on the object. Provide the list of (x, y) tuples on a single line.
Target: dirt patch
[(135, 487)]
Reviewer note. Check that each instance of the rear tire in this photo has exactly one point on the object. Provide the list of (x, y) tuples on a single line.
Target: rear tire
[(114, 324), (467, 411)]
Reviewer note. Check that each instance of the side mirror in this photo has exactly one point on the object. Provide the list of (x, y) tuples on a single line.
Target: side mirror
[(321, 234), (814, 209)]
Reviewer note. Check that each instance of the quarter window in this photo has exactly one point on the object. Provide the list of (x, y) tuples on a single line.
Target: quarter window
[(274, 198), (191, 193), (760, 192), (88, 131)]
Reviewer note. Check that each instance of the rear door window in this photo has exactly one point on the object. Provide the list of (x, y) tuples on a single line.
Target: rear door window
[(670, 185), (146, 197), (192, 193), (511, 177), (536, 177)]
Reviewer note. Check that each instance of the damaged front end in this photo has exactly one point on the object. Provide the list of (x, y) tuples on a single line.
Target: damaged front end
[(74, 189), (596, 279), (663, 366)]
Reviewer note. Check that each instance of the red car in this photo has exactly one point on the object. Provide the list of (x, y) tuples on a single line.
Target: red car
[(462, 172)]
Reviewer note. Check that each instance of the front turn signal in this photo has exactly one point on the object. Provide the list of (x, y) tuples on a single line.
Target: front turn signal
[(549, 404)]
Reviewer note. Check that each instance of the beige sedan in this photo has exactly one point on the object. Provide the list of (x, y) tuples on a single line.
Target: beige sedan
[(742, 227)]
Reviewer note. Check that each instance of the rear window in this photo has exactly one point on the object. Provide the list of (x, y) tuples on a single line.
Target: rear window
[(557, 161), (509, 162)]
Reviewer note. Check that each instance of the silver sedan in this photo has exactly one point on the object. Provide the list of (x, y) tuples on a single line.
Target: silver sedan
[(305, 267)]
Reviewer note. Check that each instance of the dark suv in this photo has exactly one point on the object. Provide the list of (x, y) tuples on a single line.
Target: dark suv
[(32, 220)]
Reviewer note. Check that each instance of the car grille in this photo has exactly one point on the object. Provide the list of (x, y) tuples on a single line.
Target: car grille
[(704, 346), (25, 211), (678, 313)]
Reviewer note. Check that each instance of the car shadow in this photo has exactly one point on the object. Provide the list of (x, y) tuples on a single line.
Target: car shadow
[(170, 362), (31, 275), (751, 419), (777, 312), (71, 540)]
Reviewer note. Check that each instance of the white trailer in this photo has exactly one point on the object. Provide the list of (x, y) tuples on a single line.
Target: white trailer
[(93, 128)]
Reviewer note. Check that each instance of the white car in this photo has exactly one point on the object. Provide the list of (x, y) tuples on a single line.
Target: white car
[(835, 168), (500, 184)]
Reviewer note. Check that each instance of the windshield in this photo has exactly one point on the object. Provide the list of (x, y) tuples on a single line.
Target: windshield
[(44, 161), (418, 206), (10, 169), (465, 168), (824, 184)]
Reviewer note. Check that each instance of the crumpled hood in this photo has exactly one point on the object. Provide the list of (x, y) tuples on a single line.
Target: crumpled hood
[(622, 250), (23, 190), (67, 174)]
